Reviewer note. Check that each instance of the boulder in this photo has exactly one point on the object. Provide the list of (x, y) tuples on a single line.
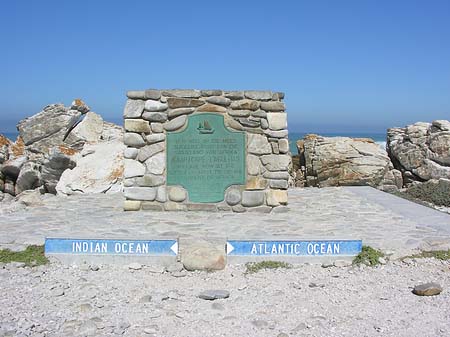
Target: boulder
[(11, 168), (421, 151), (340, 161), (207, 254), (89, 130), (45, 129), (59, 160), (96, 172), (29, 177)]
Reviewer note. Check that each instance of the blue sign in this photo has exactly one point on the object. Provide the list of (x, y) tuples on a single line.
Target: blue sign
[(294, 248), (111, 247)]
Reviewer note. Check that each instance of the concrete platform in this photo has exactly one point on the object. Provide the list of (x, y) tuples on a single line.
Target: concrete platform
[(381, 220)]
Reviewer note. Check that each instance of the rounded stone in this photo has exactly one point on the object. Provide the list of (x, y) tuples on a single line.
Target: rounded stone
[(175, 103), (277, 197), (233, 197), (254, 165), (245, 104), (259, 95), (133, 139), (203, 255), (150, 150), (283, 145), (133, 168), (219, 100), (175, 123), (208, 107), (137, 125), (207, 93), (256, 183), (156, 164), (155, 138), (131, 205), (161, 194), (130, 153), (272, 106), (177, 194), (150, 180), (157, 127), (133, 108), (155, 106), (427, 289), (134, 94), (252, 198), (152, 94), (258, 144), (212, 295), (277, 121), (183, 93), (239, 113), (140, 193), (180, 111), (159, 117)]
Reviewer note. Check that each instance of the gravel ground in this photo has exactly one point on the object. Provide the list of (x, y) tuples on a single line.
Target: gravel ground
[(307, 300)]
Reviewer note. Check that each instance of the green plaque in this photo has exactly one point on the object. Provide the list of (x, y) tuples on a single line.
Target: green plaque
[(206, 158)]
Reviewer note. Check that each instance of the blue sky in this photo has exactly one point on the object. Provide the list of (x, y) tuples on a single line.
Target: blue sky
[(361, 65)]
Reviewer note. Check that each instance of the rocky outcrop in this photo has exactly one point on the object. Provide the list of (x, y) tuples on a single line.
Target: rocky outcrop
[(41, 154), (343, 161), (46, 129), (421, 151)]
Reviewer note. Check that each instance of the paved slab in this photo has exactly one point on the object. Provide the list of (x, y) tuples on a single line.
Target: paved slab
[(381, 220)]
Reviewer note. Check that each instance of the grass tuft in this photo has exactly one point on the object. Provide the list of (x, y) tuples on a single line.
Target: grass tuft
[(254, 267), (31, 256), (437, 254), (368, 256)]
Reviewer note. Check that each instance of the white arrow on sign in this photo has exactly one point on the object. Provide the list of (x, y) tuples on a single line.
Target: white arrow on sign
[(174, 248), (230, 248)]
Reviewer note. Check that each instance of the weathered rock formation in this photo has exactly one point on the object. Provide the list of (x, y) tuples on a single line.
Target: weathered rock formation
[(421, 151), (40, 156), (341, 161)]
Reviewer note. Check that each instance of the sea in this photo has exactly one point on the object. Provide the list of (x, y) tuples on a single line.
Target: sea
[(379, 138)]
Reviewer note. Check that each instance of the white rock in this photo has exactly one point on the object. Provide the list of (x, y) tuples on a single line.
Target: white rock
[(133, 168), (130, 153), (95, 173), (155, 106), (156, 164), (140, 193), (133, 108), (90, 128), (277, 121), (258, 144), (135, 266)]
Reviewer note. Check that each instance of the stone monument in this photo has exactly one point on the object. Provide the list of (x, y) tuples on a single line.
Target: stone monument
[(205, 150)]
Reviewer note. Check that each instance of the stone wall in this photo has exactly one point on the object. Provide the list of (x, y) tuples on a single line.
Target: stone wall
[(149, 115)]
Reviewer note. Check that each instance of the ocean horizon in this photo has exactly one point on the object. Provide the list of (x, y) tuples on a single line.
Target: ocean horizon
[(379, 138)]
